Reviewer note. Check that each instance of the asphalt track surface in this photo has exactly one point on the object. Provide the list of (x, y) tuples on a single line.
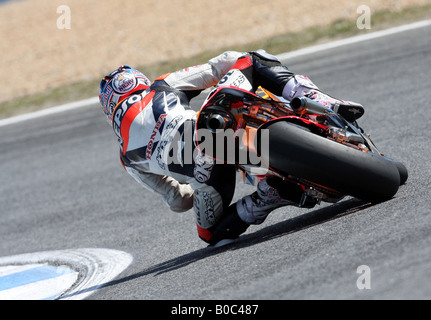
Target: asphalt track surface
[(62, 187)]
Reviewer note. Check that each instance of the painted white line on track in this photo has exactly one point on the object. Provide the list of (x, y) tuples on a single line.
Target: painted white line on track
[(49, 111), (64, 274), (283, 56), (354, 39)]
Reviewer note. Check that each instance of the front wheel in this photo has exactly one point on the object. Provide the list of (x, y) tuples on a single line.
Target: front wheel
[(300, 153)]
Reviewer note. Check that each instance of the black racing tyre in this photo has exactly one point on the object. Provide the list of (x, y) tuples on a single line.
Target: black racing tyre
[(300, 153), (404, 174), (402, 170)]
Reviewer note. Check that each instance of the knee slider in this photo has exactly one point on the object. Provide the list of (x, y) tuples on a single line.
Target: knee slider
[(204, 234)]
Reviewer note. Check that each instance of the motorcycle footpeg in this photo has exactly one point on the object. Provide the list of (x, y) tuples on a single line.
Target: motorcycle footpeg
[(308, 202)]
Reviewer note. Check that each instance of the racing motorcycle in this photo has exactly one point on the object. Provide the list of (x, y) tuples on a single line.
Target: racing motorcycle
[(301, 141)]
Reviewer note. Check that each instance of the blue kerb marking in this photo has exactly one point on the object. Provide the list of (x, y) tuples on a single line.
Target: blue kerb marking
[(25, 277)]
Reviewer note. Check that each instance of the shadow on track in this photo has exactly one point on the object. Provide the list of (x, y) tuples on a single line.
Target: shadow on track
[(303, 221), (280, 229)]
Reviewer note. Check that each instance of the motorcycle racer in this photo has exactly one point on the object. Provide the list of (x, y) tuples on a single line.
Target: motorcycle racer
[(152, 122)]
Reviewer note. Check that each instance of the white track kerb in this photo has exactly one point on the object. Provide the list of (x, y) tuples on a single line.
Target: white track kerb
[(64, 274)]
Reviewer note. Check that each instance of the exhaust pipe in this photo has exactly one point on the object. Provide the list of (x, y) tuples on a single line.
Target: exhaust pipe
[(301, 105)]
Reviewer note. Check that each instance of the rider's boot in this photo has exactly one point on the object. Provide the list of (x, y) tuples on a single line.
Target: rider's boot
[(271, 193), (300, 86)]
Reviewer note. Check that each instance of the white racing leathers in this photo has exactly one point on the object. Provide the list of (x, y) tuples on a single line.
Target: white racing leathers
[(155, 133)]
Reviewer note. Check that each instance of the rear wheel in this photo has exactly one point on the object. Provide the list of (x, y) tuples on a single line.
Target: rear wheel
[(402, 170), (300, 153)]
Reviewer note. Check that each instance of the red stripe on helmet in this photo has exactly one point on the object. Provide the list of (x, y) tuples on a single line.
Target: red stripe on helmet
[(130, 115)]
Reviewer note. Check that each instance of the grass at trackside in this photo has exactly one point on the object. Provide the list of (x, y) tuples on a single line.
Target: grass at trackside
[(275, 45)]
